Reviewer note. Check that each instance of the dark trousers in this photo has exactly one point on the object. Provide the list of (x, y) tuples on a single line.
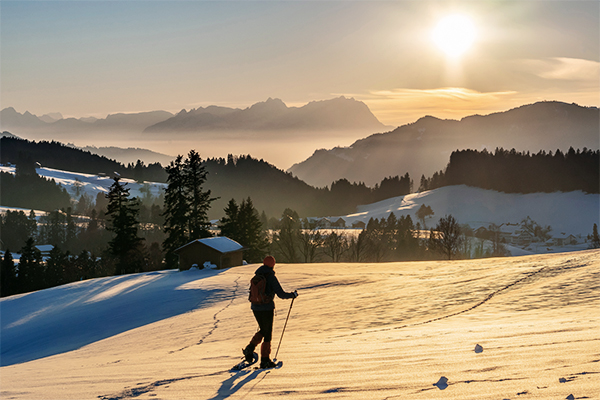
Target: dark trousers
[(265, 324)]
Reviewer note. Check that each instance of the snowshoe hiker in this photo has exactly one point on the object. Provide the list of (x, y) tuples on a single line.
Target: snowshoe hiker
[(263, 288)]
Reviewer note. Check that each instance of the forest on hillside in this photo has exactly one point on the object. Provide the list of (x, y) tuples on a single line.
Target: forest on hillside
[(272, 189), (510, 171)]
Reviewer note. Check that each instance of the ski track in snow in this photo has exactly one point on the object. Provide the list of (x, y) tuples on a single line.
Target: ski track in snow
[(141, 390), (485, 300), (215, 318), (138, 391)]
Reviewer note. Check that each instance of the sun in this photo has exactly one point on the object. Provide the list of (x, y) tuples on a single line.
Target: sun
[(454, 35)]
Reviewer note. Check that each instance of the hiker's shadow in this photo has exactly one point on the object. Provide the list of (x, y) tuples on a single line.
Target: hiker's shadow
[(229, 387)]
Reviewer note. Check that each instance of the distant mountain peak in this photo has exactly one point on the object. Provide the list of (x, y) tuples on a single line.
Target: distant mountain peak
[(270, 104), (340, 113)]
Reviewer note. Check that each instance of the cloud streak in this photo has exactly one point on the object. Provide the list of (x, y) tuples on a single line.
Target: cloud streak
[(562, 68)]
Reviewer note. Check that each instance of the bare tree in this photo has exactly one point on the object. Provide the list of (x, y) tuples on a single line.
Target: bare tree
[(287, 238), (446, 238), (310, 239), (335, 245), (357, 247)]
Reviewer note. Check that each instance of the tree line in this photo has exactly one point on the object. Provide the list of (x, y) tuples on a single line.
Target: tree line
[(511, 171)]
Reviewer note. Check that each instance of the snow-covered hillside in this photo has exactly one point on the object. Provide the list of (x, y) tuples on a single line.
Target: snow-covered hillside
[(77, 183), (571, 212), (503, 328)]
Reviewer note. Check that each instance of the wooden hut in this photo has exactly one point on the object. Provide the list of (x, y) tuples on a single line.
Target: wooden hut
[(220, 251)]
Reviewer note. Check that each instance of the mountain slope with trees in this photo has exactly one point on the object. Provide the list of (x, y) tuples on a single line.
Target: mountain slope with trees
[(424, 146), (515, 172)]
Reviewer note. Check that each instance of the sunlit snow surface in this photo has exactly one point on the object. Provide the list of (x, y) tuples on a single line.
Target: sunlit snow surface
[(357, 331)]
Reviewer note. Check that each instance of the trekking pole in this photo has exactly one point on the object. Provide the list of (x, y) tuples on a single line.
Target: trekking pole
[(284, 325)]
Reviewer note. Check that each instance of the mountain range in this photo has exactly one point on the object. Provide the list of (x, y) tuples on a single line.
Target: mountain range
[(424, 147), (274, 114), (27, 123), (335, 114)]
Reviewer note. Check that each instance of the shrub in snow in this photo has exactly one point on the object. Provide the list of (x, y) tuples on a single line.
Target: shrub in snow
[(209, 265)]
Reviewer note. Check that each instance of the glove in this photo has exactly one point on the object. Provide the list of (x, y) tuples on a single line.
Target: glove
[(295, 293)]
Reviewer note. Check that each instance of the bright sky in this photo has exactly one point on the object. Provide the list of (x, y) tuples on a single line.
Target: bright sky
[(92, 58)]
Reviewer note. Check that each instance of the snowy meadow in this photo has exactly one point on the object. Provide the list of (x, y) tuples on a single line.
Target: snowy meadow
[(500, 328)]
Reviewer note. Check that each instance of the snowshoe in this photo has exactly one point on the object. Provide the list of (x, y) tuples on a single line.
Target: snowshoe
[(245, 364), (266, 364)]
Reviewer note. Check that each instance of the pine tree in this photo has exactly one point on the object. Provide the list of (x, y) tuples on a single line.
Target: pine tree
[(175, 212), (186, 204), (229, 224), (32, 228), (8, 275), (122, 212), (70, 231), (595, 239), (252, 235), (86, 265), (31, 273), (194, 174), (55, 267), (242, 224)]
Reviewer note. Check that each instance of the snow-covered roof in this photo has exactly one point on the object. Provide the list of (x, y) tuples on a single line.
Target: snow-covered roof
[(44, 248), (220, 243)]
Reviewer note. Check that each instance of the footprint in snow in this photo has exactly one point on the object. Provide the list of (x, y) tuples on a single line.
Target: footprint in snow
[(570, 397), (478, 349)]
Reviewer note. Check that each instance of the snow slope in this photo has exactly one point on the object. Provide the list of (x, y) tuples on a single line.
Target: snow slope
[(572, 212), (378, 331), (89, 183)]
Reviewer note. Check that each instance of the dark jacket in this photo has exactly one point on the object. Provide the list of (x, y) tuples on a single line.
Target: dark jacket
[(273, 287)]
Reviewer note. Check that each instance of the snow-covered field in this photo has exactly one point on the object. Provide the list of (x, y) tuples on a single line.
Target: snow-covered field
[(377, 331)]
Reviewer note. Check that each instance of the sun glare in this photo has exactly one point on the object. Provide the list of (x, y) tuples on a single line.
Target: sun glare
[(454, 35)]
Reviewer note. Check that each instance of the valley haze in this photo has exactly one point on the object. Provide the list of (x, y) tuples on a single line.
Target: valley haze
[(270, 130)]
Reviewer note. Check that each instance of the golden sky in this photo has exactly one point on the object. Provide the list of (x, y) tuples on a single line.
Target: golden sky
[(87, 58)]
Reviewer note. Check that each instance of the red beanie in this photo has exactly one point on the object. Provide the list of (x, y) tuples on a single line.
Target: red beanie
[(269, 261)]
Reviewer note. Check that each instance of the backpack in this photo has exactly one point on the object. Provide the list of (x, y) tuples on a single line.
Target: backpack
[(258, 290)]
